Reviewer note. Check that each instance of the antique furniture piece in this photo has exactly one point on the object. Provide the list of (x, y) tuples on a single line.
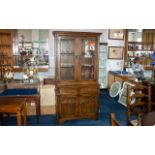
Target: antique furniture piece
[(141, 103), (119, 76), (5, 50), (148, 119), (113, 120), (31, 94), (48, 81), (77, 88), (14, 106)]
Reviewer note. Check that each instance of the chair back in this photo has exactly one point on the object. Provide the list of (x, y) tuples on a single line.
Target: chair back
[(138, 101)]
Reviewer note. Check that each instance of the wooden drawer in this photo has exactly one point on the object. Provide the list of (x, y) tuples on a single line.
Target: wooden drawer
[(67, 99), (67, 90), (89, 90)]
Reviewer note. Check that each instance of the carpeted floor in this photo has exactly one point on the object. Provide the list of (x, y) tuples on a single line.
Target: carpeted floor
[(107, 105)]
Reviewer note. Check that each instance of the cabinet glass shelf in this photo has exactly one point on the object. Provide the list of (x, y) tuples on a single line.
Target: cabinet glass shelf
[(66, 52)]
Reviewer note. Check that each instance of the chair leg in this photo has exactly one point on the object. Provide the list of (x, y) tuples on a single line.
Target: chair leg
[(25, 115), (19, 118), (1, 119)]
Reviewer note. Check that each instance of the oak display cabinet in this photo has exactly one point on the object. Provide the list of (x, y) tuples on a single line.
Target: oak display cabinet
[(77, 88)]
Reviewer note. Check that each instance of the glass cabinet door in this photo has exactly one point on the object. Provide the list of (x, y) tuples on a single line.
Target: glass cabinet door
[(103, 65), (67, 59), (88, 57)]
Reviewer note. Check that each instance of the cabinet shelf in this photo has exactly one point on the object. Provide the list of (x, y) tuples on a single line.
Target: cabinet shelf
[(88, 57), (88, 65), (139, 42), (67, 66), (141, 50), (66, 53)]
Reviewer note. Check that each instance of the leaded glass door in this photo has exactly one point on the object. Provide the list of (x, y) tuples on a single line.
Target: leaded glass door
[(88, 59), (67, 59)]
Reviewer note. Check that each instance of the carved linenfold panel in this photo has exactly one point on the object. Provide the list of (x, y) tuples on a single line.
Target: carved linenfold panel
[(88, 104), (68, 109), (67, 106)]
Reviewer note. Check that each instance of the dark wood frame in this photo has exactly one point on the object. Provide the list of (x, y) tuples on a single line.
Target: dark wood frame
[(119, 58), (113, 38), (75, 98)]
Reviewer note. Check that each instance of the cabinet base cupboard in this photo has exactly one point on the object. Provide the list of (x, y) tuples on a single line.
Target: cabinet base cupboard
[(77, 88)]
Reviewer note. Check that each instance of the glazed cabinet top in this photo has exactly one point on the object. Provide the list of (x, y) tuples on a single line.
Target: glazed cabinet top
[(76, 56)]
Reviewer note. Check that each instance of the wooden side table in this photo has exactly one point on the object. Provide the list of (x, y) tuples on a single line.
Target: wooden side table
[(14, 106), (30, 94)]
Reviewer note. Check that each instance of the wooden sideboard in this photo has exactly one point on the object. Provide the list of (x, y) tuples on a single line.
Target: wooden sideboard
[(114, 76)]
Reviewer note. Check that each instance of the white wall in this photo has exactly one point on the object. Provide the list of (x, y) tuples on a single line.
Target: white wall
[(115, 64)]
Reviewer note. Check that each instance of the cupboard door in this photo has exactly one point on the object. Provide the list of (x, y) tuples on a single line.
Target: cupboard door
[(88, 59), (67, 58), (88, 105), (67, 106)]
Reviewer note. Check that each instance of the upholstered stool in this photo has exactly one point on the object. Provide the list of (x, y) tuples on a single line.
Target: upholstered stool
[(14, 106)]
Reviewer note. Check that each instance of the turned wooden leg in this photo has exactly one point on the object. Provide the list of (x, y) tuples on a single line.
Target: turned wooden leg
[(1, 119), (37, 102), (19, 120), (25, 115)]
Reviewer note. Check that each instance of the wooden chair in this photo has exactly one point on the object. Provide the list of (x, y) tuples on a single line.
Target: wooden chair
[(138, 102), (114, 122), (14, 106)]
